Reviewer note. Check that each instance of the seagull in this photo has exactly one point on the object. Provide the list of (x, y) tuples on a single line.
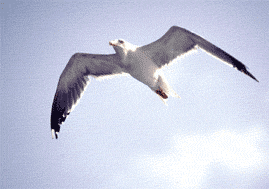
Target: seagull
[(144, 63)]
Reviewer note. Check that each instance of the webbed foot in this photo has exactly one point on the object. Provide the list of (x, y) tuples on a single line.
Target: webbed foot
[(161, 93)]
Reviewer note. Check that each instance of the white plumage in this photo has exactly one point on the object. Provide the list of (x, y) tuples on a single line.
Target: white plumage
[(143, 63)]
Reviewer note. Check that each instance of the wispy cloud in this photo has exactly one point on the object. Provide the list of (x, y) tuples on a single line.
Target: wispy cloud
[(187, 164)]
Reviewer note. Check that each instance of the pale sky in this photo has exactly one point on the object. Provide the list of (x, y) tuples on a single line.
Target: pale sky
[(121, 135)]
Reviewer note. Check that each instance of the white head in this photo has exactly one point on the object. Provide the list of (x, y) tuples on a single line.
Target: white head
[(121, 46)]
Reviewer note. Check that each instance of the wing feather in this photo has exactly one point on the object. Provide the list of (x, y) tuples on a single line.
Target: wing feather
[(74, 80), (172, 44), (178, 41)]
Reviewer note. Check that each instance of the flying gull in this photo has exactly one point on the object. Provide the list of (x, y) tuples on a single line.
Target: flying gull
[(143, 63)]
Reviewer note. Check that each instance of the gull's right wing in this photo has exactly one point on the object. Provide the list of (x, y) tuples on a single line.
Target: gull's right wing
[(74, 80)]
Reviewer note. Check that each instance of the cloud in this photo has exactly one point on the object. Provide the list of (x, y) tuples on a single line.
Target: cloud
[(192, 159)]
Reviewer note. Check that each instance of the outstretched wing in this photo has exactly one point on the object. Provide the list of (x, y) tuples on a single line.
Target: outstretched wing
[(73, 82), (178, 41)]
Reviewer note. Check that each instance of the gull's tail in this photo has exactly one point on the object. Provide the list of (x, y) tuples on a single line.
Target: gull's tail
[(167, 89)]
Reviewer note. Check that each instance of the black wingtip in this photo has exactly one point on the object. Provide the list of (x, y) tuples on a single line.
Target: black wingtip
[(249, 74)]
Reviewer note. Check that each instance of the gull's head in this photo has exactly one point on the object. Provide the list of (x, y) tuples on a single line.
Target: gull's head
[(117, 43), (121, 45)]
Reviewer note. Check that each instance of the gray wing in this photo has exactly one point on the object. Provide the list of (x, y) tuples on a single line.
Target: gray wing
[(178, 41), (74, 80)]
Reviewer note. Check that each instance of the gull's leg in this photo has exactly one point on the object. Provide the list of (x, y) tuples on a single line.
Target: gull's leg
[(161, 93)]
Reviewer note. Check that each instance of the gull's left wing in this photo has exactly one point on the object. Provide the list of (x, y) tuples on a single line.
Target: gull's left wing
[(178, 41)]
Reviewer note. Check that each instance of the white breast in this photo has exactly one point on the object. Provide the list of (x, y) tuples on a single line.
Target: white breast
[(142, 68)]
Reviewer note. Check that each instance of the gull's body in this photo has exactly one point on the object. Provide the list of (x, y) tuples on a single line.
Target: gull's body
[(143, 63)]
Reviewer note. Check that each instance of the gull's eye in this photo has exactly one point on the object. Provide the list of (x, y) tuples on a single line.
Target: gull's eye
[(120, 41)]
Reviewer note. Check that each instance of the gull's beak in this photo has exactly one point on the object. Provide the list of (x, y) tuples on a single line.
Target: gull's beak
[(111, 44)]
